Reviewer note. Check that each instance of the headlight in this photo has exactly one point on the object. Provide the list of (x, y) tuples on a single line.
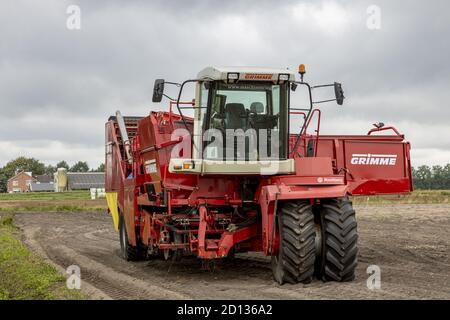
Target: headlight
[(233, 76), (283, 77)]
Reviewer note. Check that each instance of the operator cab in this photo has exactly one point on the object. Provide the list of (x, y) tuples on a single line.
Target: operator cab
[(241, 121)]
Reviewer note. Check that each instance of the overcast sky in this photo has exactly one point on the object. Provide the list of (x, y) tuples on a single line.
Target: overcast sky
[(58, 86)]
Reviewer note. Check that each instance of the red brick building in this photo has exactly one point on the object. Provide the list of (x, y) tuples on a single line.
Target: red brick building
[(20, 182)]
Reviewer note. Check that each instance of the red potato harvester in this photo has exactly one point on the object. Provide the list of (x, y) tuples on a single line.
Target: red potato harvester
[(232, 178)]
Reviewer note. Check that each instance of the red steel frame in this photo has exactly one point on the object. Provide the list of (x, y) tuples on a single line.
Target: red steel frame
[(196, 207)]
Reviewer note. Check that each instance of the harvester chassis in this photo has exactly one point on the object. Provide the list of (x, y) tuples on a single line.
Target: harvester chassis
[(303, 219)]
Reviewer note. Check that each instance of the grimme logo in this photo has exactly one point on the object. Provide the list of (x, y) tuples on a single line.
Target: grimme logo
[(374, 159)]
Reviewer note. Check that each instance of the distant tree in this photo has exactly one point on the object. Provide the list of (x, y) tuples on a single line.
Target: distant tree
[(80, 166), (438, 181), (50, 170), (436, 177), (447, 175), (423, 177), (62, 164), (23, 164), (3, 181), (101, 168)]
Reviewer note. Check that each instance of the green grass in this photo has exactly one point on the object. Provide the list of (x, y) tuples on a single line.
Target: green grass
[(79, 201), (74, 201), (24, 275), (416, 197), (69, 195), (53, 208)]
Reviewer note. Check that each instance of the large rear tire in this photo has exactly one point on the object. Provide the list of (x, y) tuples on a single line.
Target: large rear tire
[(127, 251), (338, 257), (296, 255)]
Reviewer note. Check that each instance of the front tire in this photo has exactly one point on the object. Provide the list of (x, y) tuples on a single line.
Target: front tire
[(127, 251), (338, 258), (295, 260)]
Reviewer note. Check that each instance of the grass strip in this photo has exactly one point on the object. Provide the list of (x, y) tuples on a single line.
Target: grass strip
[(25, 275)]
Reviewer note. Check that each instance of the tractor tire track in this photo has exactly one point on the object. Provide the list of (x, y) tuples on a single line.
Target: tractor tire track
[(410, 243)]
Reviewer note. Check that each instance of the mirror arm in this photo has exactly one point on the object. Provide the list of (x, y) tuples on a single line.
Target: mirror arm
[(322, 86), (323, 101), (178, 102), (173, 83), (338, 100), (170, 98)]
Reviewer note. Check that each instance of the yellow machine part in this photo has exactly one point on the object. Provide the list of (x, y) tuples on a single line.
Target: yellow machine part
[(111, 199)]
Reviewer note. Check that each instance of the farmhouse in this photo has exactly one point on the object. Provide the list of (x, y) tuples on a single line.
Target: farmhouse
[(20, 182), (25, 181)]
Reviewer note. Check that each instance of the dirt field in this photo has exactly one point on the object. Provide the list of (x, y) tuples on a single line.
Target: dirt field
[(410, 243)]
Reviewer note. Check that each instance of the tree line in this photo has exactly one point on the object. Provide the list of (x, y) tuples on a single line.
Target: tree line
[(424, 177), (37, 168), (434, 177)]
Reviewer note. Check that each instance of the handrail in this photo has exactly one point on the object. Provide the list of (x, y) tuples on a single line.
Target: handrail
[(304, 121), (162, 145), (377, 129), (305, 129), (174, 102), (317, 128)]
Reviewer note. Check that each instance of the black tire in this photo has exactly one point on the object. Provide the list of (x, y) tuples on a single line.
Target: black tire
[(296, 255), (339, 252), (127, 252)]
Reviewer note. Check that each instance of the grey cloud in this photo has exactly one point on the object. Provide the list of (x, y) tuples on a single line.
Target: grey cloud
[(76, 79)]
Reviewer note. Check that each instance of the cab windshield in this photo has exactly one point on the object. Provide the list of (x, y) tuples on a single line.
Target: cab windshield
[(255, 109)]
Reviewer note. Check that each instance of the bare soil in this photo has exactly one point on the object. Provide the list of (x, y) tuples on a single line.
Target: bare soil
[(409, 242)]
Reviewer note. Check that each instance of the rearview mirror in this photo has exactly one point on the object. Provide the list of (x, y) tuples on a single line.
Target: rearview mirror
[(339, 93), (158, 90)]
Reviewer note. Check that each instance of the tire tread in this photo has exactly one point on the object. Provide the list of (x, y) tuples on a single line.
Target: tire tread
[(339, 258)]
